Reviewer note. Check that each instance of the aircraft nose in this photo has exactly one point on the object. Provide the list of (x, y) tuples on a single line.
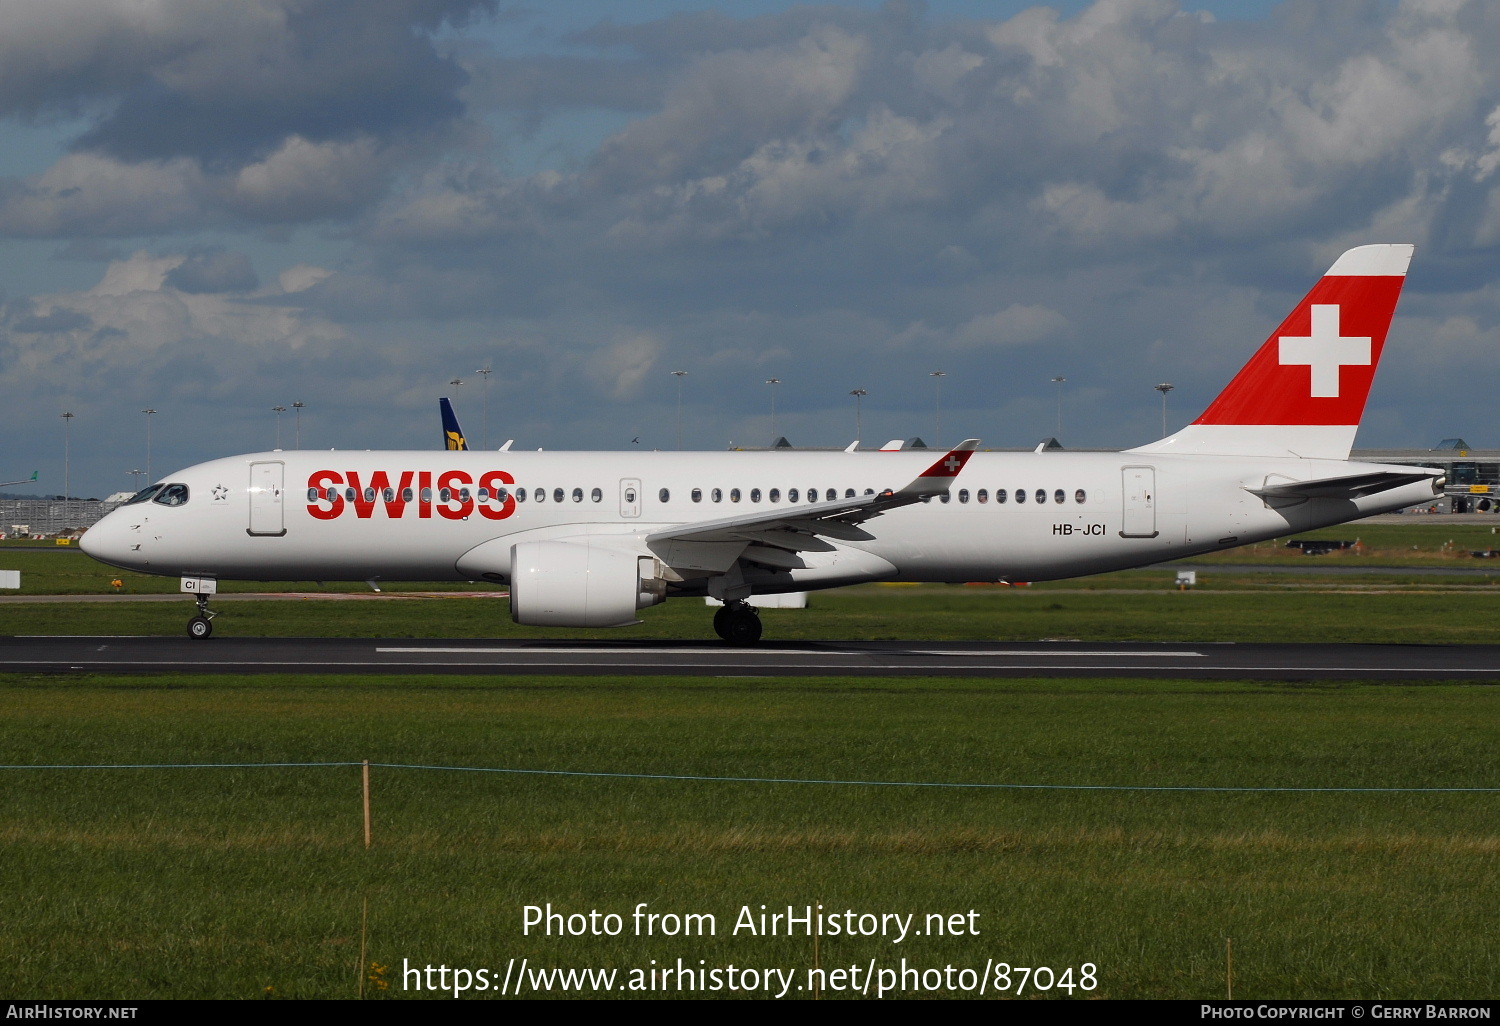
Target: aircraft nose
[(108, 541)]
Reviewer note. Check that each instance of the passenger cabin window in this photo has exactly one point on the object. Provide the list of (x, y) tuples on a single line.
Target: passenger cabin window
[(1001, 495), (172, 495), (945, 497), (848, 493), (426, 494), (717, 494), (540, 494), (697, 494), (963, 495), (501, 495), (558, 495), (734, 495), (1059, 497), (755, 495), (577, 494), (1020, 495), (520, 495), (1080, 497), (983, 495), (1041, 495), (406, 495), (775, 495), (597, 495), (791, 495), (664, 495), (389, 495)]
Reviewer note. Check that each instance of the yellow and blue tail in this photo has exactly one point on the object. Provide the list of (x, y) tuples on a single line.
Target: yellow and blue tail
[(453, 435)]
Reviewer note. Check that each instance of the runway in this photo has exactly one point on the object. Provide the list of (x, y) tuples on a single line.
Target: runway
[(774, 659)]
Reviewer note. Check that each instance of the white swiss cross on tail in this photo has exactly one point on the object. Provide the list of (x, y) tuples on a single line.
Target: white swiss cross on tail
[(1303, 392), (1325, 351)]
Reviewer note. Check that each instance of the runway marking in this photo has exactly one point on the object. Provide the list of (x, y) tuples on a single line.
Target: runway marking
[(841, 653), (527, 650), (1070, 654)]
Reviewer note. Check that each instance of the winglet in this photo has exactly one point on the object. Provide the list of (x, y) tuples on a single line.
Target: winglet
[(936, 478)]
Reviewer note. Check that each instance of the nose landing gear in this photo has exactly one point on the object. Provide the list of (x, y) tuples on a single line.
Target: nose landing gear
[(201, 626), (738, 623)]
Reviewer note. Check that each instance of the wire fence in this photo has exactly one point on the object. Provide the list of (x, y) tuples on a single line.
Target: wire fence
[(704, 778)]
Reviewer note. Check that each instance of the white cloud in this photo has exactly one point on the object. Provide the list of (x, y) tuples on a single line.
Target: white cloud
[(1017, 325)]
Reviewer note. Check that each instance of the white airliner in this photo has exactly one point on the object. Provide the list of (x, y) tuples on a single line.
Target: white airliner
[(586, 539)]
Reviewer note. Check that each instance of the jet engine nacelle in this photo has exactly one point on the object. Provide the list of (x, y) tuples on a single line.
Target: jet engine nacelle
[(581, 584)]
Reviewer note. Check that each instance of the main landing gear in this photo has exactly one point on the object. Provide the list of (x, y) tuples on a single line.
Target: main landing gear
[(738, 623), (201, 626)]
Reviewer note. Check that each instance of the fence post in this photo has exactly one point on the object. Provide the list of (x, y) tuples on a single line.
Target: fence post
[(367, 802)]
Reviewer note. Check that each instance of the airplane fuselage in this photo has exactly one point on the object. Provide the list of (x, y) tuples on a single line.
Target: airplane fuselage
[(424, 515)]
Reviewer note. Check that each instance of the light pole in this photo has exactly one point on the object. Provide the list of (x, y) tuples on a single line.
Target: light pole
[(297, 407), (135, 480), (859, 425), (1164, 388), (148, 412), (486, 371), (679, 375), (1058, 381), (773, 382), (937, 380), (278, 410), (67, 466)]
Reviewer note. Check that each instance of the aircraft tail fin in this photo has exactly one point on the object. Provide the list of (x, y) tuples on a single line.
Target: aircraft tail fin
[(453, 435), (1304, 391)]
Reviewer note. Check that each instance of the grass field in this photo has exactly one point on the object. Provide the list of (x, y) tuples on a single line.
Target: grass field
[(1417, 615), (223, 883), (1428, 543)]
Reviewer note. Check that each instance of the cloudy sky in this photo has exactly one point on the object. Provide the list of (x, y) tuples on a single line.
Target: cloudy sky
[(215, 207)]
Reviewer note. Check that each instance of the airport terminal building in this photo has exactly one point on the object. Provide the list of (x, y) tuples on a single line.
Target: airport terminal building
[(21, 518)]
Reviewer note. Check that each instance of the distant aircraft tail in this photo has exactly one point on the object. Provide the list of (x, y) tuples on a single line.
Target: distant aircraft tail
[(1303, 393), (453, 435)]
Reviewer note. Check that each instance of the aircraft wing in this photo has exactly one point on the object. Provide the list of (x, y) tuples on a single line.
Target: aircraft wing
[(1350, 486), (774, 536)]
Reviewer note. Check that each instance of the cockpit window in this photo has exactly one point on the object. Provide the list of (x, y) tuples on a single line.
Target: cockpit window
[(144, 495), (172, 495)]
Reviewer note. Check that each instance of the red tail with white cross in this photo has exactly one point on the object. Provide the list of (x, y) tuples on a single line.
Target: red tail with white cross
[(1304, 391)]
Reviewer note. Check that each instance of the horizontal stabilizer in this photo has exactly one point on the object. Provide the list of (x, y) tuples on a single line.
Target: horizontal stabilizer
[(1350, 486)]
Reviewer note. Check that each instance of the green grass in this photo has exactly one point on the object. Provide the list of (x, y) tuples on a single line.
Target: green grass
[(1428, 542), (67, 571), (872, 613), (177, 883)]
